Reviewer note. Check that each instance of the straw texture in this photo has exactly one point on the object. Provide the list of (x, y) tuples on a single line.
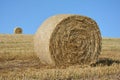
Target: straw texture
[(67, 40)]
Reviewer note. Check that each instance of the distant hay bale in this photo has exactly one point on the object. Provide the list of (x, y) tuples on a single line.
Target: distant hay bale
[(68, 39), (18, 30)]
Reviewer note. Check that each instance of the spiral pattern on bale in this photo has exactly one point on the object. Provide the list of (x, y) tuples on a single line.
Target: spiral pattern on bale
[(68, 39), (18, 30)]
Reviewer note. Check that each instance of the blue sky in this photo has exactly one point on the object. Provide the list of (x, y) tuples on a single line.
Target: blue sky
[(29, 14)]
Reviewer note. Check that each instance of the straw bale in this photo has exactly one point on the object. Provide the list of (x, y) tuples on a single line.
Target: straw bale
[(67, 40), (18, 30)]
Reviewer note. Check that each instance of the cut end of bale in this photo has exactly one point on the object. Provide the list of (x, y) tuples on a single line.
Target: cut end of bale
[(18, 30), (68, 40)]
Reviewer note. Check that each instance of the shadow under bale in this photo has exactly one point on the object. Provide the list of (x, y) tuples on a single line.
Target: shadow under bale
[(105, 62)]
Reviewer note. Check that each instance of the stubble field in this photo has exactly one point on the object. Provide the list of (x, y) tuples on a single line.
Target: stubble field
[(19, 62)]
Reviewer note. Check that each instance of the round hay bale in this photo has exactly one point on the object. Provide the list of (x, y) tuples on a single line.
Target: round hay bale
[(18, 30), (67, 40)]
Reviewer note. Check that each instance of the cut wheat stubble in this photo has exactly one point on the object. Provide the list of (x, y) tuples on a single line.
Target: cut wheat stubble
[(67, 40)]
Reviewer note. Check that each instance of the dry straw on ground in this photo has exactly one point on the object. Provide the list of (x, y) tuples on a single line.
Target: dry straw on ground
[(18, 30), (67, 40)]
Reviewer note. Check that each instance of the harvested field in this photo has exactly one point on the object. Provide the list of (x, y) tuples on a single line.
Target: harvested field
[(16, 46), (19, 62)]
